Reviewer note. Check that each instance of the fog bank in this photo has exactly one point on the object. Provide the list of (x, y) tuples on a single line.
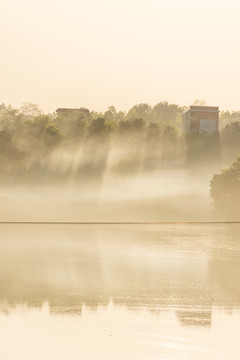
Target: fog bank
[(166, 195)]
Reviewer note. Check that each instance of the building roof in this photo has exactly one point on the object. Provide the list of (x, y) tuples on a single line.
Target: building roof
[(71, 109), (202, 108)]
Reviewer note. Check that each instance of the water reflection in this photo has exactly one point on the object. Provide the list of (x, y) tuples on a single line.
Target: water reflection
[(188, 270), (199, 317)]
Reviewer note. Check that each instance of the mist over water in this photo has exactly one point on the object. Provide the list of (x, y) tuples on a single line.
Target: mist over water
[(164, 195)]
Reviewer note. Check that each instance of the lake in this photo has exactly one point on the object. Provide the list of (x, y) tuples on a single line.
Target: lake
[(104, 292)]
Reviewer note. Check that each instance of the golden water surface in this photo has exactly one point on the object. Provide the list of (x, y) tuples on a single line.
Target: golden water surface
[(106, 292)]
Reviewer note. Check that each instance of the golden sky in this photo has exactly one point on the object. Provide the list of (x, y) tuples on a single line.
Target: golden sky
[(92, 53)]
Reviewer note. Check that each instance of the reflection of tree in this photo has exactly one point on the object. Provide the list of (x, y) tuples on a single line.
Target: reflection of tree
[(195, 317), (224, 268), (224, 278)]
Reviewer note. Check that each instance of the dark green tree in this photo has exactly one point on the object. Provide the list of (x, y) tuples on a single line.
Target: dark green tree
[(169, 142), (227, 117), (230, 139), (141, 111), (225, 190), (152, 145), (164, 111), (203, 149)]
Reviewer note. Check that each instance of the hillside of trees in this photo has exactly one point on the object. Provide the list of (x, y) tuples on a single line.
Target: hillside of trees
[(42, 147)]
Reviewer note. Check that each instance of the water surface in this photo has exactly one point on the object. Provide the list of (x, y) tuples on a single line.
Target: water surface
[(119, 292)]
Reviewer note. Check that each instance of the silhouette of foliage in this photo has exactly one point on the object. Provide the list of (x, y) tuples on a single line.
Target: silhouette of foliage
[(230, 139), (225, 190)]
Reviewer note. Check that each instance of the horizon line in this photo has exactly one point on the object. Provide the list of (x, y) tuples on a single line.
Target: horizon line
[(115, 222)]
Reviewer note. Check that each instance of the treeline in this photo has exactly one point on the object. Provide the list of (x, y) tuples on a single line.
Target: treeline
[(63, 145)]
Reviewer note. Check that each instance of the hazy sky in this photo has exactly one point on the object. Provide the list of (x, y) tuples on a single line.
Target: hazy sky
[(96, 53)]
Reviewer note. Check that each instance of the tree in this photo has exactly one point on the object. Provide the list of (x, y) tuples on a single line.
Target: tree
[(227, 117), (152, 145), (164, 111), (225, 190), (113, 110), (203, 149), (120, 116), (169, 143), (8, 115), (101, 127), (52, 135), (199, 102), (124, 127), (138, 125), (230, 139), (30, 109), (95, 115), (153, 132), (141, 111), (108, 115)]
